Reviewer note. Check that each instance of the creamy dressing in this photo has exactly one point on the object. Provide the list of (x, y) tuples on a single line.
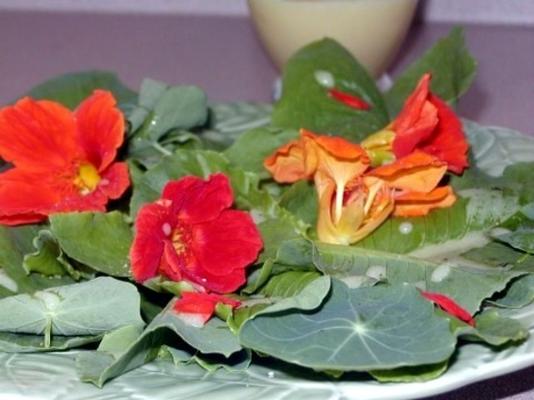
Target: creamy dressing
[(377, 272), (406, 228), (450, 248), (325, 79), (440, 273)]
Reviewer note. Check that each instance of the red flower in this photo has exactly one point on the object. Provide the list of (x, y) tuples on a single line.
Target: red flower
[(349, 99), (428, 124), (197, 308), (191, 234), (62, 160), (449, 306)]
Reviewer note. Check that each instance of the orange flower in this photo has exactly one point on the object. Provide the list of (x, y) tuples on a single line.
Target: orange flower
[(426, 123), (367, 202), (62, 161), (415, 180), (332, 156)]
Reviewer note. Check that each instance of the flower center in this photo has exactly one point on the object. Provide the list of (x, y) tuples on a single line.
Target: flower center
[(87, 179), (180, 239)]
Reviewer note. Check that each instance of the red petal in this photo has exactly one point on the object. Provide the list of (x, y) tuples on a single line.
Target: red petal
[(448, 142), (38, 135), (196, 200), (100, 128), (199, 307), (416, 121), (115, 180), (24, 198), (349, 99), (449, 306), (150, 234), (230, 242)]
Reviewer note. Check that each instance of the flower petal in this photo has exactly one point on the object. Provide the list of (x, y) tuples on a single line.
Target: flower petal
[(230, 242), (150, 233), (115, 180), (449, 306), (38, 135), (24, 197), (448, 143), (349, 99), (195, 200), (100, 128), (290, 163), (416, 121), (417, 172), (413, 204), (197, 308)]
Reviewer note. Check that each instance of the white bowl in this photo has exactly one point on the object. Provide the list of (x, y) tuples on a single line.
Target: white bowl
[(372, 30)]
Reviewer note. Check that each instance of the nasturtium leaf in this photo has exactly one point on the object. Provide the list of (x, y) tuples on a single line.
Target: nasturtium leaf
[(253, 147), (305, 103), (122, 352), (168, 107), (89, 308), (519, 293), (521, 239), (237, 362), (446, 232), (71, 89), (497, 254), (292, 290), (451, 65), (28, 343), (15, 243), (364, 267), (494, 329), (495, 148), (100, 240), (228, 121), (301, 200), (380, 327), (419, 373), (48, 258)]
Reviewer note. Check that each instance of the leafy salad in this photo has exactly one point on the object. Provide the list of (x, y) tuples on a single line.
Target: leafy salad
[(343, 229)]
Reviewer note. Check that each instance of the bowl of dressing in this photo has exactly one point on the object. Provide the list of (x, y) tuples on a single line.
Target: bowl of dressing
[(372, 30)]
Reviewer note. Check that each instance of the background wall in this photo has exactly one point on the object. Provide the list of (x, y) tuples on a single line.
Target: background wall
[(517, 12)]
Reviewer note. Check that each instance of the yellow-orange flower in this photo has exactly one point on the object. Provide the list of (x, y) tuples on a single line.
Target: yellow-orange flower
[(367, 202)]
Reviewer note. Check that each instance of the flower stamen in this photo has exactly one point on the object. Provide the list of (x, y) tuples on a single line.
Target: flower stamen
[(87, 179)]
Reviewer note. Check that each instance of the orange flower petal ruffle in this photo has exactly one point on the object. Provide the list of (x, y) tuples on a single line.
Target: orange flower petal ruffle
[(414, 204)]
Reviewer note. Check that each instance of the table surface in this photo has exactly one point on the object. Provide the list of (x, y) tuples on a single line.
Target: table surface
[(223, 56)]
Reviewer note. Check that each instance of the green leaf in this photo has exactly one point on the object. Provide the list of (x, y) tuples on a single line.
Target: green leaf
[(89, 308), (282, 294), (451, 65), (494, 329), (71, 89), (252, 148), (168, 107), (519, 294), (15, 243), (419, 373), (305, 102), (99, 240), (381, 327), (497, 254), (445, 232), (363, 267), (48, 259), (301, 200), (237, 362), (228, 121), (119, 356), (25, 343), (521, 239)]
